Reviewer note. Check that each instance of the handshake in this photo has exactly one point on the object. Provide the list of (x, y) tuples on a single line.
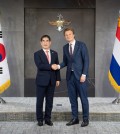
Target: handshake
[(55, 67)]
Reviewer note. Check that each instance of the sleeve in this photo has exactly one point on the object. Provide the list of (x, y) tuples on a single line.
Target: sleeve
[(58, 77), (85, 57), (64, 63)]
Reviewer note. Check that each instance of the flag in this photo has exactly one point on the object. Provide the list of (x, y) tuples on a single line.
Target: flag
[(114, 71), (4, 71)]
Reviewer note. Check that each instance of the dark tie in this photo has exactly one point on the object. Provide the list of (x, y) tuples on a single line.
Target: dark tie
[(71, 50), (71, 57)]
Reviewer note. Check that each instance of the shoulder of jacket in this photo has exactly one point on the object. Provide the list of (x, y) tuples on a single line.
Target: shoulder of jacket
[(80, 43), (53, 51), (65, 45), (37, 52)]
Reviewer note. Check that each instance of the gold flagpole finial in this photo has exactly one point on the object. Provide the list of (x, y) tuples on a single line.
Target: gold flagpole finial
[(119, 19)]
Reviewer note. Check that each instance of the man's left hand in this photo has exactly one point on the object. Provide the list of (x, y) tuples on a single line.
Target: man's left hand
[(57, 83)]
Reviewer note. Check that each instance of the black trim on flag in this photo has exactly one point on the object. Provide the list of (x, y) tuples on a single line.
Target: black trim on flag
[(1, 70), (0, 34)]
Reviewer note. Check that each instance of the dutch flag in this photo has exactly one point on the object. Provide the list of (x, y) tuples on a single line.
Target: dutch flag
[(114, 71)]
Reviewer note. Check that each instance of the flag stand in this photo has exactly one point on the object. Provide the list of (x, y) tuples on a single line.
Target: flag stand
[(2, 101), (117, 100)]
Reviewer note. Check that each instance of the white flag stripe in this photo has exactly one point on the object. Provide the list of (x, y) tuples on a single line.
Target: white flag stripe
[(5, 75), (116, 51)]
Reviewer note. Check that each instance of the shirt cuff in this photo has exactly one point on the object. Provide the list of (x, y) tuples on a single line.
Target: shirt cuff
[(84, 75), (58, 66)]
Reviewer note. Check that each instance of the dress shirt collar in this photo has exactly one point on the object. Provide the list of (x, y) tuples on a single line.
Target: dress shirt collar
[(73, 42), (46, 50)]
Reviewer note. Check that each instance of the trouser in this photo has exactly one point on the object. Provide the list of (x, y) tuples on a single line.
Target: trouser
[(46, 92), (75, 88)]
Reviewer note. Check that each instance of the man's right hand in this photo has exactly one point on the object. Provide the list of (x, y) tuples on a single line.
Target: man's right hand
[(54, 66)]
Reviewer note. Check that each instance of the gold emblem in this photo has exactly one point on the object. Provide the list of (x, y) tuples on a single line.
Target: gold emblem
[(60, 23)]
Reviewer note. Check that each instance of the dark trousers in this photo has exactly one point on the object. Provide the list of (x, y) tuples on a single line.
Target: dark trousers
[(75, 88), (46, 92)]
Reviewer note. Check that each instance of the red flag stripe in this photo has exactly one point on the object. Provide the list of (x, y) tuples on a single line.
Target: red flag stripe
[(118, 29), (118, 33)]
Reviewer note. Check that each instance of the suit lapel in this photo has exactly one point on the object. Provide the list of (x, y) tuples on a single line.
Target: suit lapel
[(75, 48), (67, 50), (43, 55), (52, 56)]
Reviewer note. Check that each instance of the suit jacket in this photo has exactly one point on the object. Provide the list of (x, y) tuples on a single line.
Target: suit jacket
[(79, 61), (45, 74)]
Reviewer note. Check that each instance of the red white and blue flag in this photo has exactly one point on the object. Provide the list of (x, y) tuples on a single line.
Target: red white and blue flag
[(114, 71), (4, 71)]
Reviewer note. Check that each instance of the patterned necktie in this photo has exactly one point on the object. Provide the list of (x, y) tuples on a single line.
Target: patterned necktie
[(47, 54), (71, 50)]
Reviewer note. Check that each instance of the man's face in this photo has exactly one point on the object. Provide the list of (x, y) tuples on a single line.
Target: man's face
[(45, 43), (69, 36)]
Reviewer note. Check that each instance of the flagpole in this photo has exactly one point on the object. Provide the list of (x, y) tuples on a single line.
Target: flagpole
[(117, 100)]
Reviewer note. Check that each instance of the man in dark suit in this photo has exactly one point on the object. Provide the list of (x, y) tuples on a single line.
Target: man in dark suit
[(75, 57), (46, 79)]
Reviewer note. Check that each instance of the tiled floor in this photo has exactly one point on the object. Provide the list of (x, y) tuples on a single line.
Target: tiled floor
[(59, 128)]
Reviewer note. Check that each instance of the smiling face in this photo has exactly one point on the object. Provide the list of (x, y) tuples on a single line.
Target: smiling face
[(45, 43), (69, 35)]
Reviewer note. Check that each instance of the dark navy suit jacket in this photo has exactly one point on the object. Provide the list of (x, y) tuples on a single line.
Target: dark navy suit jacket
[(79, 61), (45, 74)]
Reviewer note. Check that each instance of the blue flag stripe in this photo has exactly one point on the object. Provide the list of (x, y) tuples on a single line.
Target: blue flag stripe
[(115, 70)]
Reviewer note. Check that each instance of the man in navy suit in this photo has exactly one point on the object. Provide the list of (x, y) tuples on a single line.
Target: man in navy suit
[(46, 79), (75, 57)]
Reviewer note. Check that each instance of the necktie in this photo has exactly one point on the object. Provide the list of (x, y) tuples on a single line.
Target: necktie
[(47, 54), (71, 49), (71, 56)]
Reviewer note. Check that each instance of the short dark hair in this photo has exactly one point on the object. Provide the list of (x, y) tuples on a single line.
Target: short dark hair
[(69, 29), (45, 36)]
